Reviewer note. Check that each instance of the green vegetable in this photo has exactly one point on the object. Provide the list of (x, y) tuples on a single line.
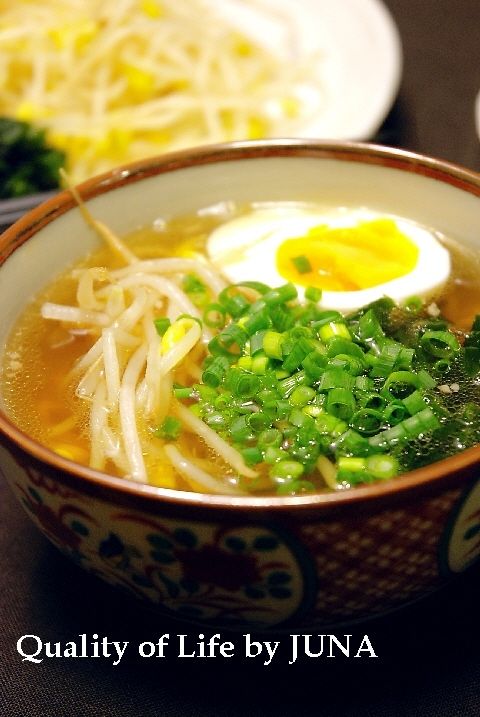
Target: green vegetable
[(289, 383), (170, 429), (161, 325), (302, 264), (27, 163), (312, 293)]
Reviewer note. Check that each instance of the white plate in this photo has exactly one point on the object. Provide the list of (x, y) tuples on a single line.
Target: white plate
[(360, 66)]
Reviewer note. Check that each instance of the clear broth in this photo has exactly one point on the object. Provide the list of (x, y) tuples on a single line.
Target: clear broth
[(39, 355)]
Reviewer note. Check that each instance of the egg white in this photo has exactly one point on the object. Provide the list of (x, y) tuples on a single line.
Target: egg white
[(244, 249)]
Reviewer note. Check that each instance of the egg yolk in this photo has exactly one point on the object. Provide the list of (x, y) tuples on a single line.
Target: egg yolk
[(347, 258)]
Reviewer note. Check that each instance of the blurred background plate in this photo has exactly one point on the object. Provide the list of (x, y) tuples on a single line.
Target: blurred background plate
[(359, 66), (355, 61), (13, 209)]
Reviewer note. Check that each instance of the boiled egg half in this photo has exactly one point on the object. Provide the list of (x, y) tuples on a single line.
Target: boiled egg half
[(354, 256)]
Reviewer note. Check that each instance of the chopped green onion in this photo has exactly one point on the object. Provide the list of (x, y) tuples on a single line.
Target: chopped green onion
[(260, 364), (233, 301), (258, 421), (395, 412), (282, 318), (302, 264), (269, 437), (288, 383), (314, 364), (413, 304), (352, 464), (370, 327), (340, 345), (230, 340), (298, 418), (257, 286), (301, 395), (251, 455), (326, 423), (214, 316), (312, 293), (400, 384), (441, 344), (216, 420), (425, 380), (295, 487), (364, 383), (206, 393), (272, 344), (366, 421), (325, 317), (214, 373), (170, 429), (240, 430), (353, 443), (371, 400), (258, 321), (183, 391), (422, 422), (242, 384), (281, 295), (244, 362), (192, 284), (442, 366), (286, 471), (415, 402), (274, 455), (336, 378), (299, 351), (286, 386), (341, 403), (382, 466), (161, 325), (352, 470), (333, 329), (347, 362)]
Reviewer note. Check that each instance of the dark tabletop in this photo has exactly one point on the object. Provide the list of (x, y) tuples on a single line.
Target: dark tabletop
[(428, 660)]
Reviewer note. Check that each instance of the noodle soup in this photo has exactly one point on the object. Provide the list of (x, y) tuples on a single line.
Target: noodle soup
[(146, 362)]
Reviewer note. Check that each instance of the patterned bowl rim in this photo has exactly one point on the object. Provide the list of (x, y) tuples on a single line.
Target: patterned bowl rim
[(449, 471)]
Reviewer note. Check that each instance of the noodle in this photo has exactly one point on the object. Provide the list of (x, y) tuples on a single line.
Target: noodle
[(173, 265), (73, 314), (212, 439), (279, 399), (115, 82), (111, 367), (128, 421), (195, 474), (98, 421)]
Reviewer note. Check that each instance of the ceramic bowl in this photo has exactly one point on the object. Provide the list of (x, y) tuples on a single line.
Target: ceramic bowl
[(303, 562)]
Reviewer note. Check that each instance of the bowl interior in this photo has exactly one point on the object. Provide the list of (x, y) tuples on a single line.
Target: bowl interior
[(333, 178), (434, 194)]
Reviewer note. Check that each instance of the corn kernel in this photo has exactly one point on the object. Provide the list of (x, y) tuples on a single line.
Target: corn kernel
[(29, 111), (76, 34), (71, 452), (243, 47), (151, 8), (175, 333), (139, 80), (256, 128), (290, 106), (164, 477)]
